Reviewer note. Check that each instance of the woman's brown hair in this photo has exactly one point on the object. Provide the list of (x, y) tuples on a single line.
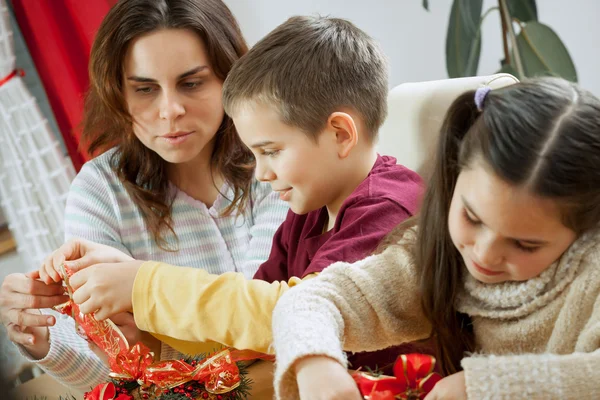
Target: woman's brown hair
[(107, 122), (542, 134)]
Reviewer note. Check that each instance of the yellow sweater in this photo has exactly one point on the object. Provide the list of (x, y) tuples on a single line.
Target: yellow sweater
[(196, 312)]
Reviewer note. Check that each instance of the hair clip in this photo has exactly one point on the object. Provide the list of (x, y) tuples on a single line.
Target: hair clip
[(480, 95)]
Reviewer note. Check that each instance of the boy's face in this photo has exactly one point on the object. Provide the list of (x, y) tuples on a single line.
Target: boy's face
[(301, 170)]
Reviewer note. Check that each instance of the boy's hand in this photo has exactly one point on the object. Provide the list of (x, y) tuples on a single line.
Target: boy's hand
[(322, 378), (105, 289), (78, 254), (452, 387)]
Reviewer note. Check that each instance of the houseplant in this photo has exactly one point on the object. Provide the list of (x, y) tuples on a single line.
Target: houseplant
[(531, 48)]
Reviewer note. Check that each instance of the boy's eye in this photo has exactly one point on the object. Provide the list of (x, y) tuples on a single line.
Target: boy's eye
[(270, 153)]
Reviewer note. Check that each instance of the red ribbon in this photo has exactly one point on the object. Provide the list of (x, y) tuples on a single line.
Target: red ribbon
[(413, 379), (8, 77), (218, 373)]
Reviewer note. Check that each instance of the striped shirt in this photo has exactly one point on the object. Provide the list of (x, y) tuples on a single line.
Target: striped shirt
[(100, 209)]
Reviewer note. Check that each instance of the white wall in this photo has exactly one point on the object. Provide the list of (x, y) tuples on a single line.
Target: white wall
[(414, 39)]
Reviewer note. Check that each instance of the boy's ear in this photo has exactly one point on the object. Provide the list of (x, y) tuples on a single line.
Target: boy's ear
[(346, 133)]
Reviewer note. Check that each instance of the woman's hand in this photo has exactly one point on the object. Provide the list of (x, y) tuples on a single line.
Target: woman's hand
[(78, 254), (21, 297)]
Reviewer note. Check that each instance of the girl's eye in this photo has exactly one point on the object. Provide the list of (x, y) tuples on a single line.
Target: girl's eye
[(528, 249), (469, 219)]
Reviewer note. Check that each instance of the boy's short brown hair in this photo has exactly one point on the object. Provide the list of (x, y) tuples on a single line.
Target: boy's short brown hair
[(310, 67)]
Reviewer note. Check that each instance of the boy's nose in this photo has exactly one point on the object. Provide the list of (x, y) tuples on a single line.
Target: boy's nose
[(264, 174)]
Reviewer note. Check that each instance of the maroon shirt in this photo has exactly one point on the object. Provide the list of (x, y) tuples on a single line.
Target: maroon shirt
[(388, 196)]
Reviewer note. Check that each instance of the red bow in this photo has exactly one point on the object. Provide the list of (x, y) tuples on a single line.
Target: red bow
[(218, 373), (106, 391), (413, 379), (131, 365)]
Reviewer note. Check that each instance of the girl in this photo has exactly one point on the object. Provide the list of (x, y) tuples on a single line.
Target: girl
[(174, 183), (503, 262)]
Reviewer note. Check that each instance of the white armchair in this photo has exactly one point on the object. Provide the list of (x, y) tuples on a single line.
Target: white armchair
[(415, 115)]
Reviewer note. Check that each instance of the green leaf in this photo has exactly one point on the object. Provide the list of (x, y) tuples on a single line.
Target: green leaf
[(543, 53), (523, 10), (463, 41), (426, 4)]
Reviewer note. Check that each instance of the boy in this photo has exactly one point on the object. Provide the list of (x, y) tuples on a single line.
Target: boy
[(308, 100)]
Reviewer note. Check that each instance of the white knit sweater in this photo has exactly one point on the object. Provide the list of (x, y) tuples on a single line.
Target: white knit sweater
[(537, 339)]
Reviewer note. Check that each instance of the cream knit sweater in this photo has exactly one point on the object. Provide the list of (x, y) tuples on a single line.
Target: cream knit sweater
[(537, 339)]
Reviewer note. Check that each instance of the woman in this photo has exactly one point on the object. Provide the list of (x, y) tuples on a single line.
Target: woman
[(174, 182)]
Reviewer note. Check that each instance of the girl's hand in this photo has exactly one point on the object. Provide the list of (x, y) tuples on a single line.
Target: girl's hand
[(105, 289), (452, 387), (78, 254), (322, 378)]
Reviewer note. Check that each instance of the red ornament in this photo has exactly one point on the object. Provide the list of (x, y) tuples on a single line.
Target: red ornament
[(413, 379), (104, 391)]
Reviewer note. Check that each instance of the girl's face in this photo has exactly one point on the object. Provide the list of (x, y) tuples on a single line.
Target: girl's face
[(503, 232), (173, 94)]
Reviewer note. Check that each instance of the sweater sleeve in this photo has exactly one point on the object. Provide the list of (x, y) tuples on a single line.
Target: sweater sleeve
[(366, 306), (267, 212), (228, 308), (90, 214)]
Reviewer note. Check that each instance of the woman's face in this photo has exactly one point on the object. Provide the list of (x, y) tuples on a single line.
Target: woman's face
[(503, 232), (173, 94)]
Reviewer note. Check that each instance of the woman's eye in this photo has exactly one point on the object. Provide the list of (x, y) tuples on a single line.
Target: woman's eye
[(191, 85), (144, 90)]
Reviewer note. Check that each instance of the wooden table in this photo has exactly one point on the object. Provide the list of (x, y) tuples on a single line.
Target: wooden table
[(261, 372)]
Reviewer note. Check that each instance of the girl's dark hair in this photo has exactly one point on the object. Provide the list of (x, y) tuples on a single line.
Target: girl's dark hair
[(541, 134), (107, 122)]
